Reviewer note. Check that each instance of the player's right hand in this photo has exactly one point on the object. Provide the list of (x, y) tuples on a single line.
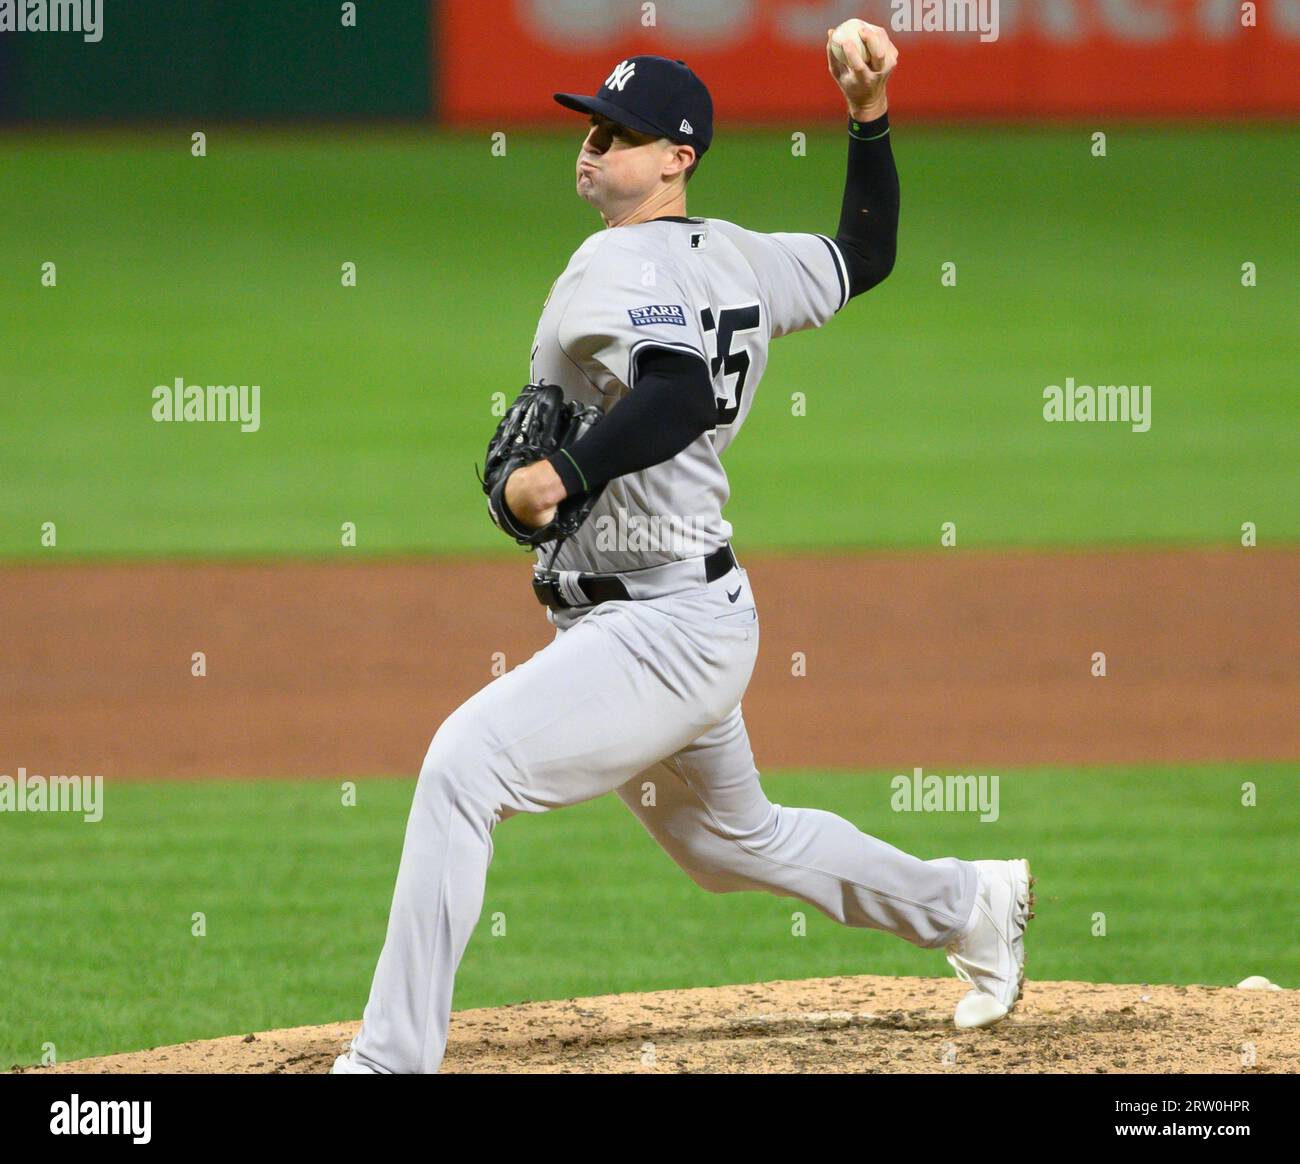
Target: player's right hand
[(862, 77)]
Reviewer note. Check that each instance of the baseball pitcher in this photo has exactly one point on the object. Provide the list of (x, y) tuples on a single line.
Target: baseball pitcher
[(645, 363)]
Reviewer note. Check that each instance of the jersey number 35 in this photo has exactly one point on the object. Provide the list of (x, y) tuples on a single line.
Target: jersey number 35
[(723, 332)]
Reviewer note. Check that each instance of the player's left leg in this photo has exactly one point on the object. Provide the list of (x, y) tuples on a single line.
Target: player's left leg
[(707, 809)]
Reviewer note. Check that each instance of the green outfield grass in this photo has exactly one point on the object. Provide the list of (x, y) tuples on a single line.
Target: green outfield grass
[(923, 402), (98, 954)]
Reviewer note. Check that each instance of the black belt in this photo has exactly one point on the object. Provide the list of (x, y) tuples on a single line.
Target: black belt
[(602, 588)]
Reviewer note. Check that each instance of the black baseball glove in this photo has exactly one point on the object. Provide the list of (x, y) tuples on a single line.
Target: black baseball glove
[(536, 426)]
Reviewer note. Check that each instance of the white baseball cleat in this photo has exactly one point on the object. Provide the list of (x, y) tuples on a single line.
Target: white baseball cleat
[(346, 1065), (992, 956)]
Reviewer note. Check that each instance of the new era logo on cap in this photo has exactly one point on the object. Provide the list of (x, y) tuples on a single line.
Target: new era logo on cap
[(686, 126)]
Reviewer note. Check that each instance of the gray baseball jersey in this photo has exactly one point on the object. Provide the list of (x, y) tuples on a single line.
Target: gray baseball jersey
[(701, 285)]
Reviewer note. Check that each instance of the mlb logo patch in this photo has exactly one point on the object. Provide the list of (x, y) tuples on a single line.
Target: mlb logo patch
[(661, 313)]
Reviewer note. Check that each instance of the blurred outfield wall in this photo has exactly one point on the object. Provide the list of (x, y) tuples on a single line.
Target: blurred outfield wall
[(477, 62), (231, 60)]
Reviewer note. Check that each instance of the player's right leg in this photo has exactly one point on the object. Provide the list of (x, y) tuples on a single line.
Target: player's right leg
[(576, 720)]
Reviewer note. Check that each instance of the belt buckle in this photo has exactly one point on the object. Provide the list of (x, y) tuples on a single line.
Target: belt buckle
[(546, 585)]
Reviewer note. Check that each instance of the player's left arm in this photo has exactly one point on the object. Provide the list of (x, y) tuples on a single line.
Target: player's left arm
[(868, 230), (668, 402), (671, 407)]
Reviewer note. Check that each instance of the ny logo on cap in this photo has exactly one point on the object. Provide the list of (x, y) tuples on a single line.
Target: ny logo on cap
[(621, 75)]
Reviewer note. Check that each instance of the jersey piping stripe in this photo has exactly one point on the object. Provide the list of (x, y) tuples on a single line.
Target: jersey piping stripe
[(841, 270), (667, 345)]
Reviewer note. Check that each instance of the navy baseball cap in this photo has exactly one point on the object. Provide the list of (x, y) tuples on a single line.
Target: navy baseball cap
[(653, 95)]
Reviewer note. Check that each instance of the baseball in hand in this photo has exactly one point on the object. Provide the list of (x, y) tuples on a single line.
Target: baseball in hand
[(850, 30), (861, 57)]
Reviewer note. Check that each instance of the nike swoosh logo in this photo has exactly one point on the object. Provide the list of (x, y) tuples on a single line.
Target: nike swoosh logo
[(733, 597)]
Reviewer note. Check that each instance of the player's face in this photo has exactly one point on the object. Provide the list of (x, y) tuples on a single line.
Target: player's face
[(618, 166)]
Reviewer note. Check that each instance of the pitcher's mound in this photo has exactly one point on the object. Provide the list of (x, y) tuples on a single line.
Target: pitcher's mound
[(860, 1024)]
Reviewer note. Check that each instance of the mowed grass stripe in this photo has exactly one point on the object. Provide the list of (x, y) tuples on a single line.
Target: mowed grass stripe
[(97, 920), (923, 403)]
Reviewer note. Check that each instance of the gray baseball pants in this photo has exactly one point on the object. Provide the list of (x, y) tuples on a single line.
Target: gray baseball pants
[(640, 698)]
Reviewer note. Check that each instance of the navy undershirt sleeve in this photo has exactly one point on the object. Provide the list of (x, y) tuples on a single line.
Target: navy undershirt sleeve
[(669, 407), (868, 230)]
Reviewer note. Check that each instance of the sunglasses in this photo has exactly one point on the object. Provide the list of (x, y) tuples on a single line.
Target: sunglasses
[(621, 132)]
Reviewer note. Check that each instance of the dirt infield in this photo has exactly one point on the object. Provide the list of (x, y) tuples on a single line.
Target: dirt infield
[(941, 659), (859, 1024)]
